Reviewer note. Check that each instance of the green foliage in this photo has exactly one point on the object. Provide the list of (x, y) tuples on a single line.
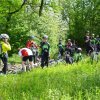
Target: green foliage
[(14, 59), (65, 82), (82, 16), (27, 22), (58, 16)]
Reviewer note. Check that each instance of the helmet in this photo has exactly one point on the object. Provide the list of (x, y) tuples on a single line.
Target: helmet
[(80, 49), (4, 36), (69, 39), (45, 37)]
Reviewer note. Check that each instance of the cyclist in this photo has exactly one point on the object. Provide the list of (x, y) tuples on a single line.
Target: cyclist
[(78, 54), (68, 47), (87, 42), (4, 48), (93, 43), (45, 48), (98, 43), (33, 46), (26, 54), (60, 47)]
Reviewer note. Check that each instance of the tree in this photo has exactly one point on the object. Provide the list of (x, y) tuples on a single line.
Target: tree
[(81, 16)]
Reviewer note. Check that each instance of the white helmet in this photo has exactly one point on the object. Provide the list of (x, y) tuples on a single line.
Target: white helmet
[(4, 36), (45, 37), (80, 49)]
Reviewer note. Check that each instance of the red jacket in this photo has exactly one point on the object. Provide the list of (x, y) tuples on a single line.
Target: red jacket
[(30, 43)]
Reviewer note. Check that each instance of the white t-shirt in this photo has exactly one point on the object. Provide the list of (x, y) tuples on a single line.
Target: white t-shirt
[(25, 52)]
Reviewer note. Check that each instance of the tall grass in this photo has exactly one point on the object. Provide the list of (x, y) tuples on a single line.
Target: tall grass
[(63, 82)]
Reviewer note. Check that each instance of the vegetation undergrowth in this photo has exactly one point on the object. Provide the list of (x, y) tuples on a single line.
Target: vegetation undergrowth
[(62, 82)]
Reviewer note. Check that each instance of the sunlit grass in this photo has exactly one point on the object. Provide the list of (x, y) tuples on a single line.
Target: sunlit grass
[(63, 82)]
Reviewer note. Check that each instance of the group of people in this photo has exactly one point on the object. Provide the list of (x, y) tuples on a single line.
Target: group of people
[(92, 43), (27, 53), (70, 51), (30, 52)]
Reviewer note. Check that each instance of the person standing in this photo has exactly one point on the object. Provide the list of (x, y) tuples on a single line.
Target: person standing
[(60, 48), (93, 43), (98, 43), (68, 47), (4, 48), (45, 48), (87, 39), (31, 44)]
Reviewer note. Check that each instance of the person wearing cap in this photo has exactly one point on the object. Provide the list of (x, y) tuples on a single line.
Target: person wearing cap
[(31, 44), (45, 48), (5, 47)]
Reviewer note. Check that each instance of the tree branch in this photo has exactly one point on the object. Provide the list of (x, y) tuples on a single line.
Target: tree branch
[(8, 18), (41, 7), (24, 1)]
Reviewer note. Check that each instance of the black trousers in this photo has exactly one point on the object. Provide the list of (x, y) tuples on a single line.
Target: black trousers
[(44, 59), (35, 56), (4, 60), (61, 52), (34, 59), (98, 48)]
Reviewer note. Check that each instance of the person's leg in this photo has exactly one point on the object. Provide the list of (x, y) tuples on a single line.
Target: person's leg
[(31, 62), (67, 60), (23, 66), (34, 59), (24, 59), (4, 60), (42, 60), (31, 65), (87, 49), (99, 48), (61, 52), (46, 59)]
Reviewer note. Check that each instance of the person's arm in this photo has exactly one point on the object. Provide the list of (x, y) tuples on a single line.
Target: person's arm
[(35, 45), (7, 46), (28, 44)]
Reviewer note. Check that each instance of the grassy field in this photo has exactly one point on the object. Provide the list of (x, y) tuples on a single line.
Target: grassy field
[(62, 82)]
